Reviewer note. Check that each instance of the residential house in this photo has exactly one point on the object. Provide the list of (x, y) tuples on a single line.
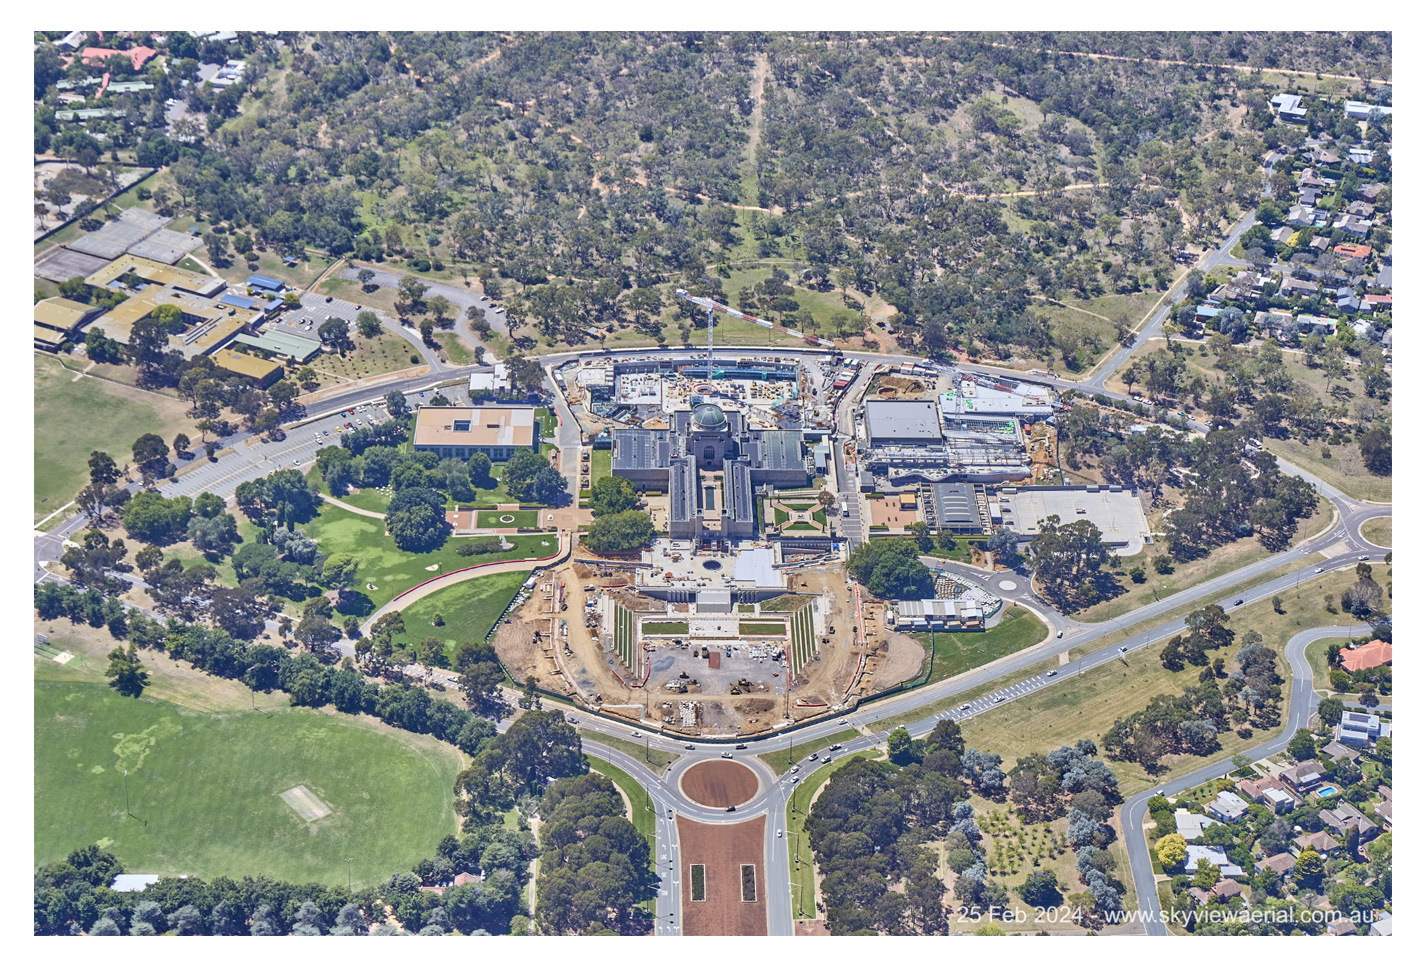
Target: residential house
[(1190, 826), (1351, 223), (464, 877), (1340, 928), (1325, 156), (1363, 329), (1322, 842), (98, 56), (1383, 278), (1269, 322), (1204, 313), (1309, 196), (1348, 302), (1226, 890), (1282, 863), (1289, 107), (1376, 303), (1362, 111), (1383, 809), (1281, 234), (1361, 209), (1199, 896), (1229, 806), (1353, 251), (1343, 817), (1370, 192), (1310, 179), (1360, 155), (1386, 341), (1301, 778), (1360, 729), (1291, 285), (1269, 792), (1337, 751), (1198, 854), (1310, 325), (1319, 243), (1304, 215), (1382, 927), (1374, 653)]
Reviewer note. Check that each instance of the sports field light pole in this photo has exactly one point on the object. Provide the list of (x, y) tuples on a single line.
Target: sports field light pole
[(349, 874)]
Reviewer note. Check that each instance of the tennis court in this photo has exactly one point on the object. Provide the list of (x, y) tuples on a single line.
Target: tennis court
[(166, 246), (62, 264)]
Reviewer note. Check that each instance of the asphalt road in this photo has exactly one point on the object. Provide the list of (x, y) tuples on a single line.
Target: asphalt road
[(1301, 705)]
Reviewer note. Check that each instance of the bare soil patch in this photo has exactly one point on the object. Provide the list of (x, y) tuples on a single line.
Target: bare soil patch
[(723, 850), (719, 783)]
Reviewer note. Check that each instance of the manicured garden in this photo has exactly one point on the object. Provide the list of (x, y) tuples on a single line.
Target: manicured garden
[(958, 652), (468, 610), (393, 571), (497, 519)]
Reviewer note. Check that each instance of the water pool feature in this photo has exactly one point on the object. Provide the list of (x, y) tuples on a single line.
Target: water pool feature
[(1327, 791)]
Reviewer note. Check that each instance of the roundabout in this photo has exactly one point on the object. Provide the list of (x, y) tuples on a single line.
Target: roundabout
[(719, 783)]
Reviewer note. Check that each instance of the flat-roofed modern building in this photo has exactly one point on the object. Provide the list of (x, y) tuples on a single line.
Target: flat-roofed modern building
[(158, 274), (59, 319), (283, 344), (902, 422), (263, 373), (497, 432)]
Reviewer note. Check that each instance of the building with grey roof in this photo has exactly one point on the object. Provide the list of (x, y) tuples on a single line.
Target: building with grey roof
[(952, 507), (902, 422), (1289, 107), (712, 465), (1116, 512)]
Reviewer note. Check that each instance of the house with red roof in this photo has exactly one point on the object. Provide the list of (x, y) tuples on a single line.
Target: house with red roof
[(1374, 653), (98, 56), (1352, 251)]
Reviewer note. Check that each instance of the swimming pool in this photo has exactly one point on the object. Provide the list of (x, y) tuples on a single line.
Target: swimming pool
[(1327, 791)]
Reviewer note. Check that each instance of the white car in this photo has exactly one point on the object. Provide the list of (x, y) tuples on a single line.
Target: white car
[(1317, 571), (779, 834)]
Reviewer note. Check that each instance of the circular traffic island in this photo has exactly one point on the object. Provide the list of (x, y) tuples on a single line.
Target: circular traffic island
[(719, 783)]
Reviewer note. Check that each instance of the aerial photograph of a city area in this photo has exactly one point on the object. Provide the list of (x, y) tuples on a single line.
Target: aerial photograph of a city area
[(777, 483)]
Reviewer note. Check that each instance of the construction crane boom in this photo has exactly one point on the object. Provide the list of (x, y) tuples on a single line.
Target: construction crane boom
[(713, 306)]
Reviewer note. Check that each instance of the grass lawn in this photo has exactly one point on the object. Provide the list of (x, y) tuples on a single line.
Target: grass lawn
[(456, 350), (493, 519), (665, 628), (958, 652), (1378, 531), (468, 610), (658, 760), (782, 759), (601, 464), (209, 787), (1219, 561), (1317, 659), (73, 418), (384, 354), (1086, 705), (762, 628), (392, 570), (368, 499), (960, 550), (269, 264), (779, 517)]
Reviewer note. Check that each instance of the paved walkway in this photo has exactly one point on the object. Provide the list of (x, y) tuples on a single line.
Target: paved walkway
[(353, 509)]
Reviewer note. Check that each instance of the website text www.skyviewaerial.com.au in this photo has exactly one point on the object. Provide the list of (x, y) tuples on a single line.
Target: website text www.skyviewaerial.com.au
[(1070, 914)]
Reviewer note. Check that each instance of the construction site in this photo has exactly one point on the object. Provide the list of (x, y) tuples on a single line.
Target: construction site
[(701, 667)]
